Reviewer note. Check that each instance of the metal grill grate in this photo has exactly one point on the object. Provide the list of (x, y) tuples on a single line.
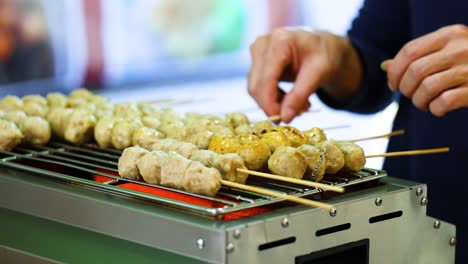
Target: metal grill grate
[(81, 165)]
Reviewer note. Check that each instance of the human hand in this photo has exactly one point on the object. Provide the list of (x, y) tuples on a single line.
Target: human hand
[(433, 70), (309, 59)]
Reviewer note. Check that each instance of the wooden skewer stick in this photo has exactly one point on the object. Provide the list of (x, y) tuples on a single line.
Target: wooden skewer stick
[(293, 180), (394, 133), (410, 152), (291, 198), (336, 127)]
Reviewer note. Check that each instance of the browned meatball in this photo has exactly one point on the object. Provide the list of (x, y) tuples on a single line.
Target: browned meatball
[(224, 144), (353, 155), (316, 135), (289, 162), (294, 135), (255, 155), (275, 139)]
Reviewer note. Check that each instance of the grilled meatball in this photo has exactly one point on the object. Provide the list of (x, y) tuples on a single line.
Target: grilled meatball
[(145, 137), (333, 155), (275, 139), (56, 100), (128, 162), (103, 131), (316, 162), (10, 135), (79, 128), (173, 170), (262, 126), (201, 180), (248, 138), (10, 103), (182, 148), (353, 155), (255, 155), (58, 118), (294, 135), (289, 162), (15, 116), (122, 133), (35, 99), (206, 157), (316, 135), (224, 144), (227, 164), (150, 165), (236, 119), (36, 131)]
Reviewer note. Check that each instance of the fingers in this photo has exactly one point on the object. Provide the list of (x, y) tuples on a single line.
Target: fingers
[(420, 69), (309, 78), (450, 100), (436, 84), (265, 96), (412, 51)]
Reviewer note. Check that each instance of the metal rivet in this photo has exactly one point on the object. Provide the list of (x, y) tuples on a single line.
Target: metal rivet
[(230, 247), (424, 201), (419, 191), (285, 222), (200, 243), (378, 201), (237, 233), (453, 241), (436, 224), (333, 212)]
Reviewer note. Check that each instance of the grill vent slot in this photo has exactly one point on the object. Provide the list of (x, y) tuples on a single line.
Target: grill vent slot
[(333, 229), (384, 217), (277, 243)]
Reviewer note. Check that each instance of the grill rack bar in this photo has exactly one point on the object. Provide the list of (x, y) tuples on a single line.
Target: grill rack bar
[(232, 199)]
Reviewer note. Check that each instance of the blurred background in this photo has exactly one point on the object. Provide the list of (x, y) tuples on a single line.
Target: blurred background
[(195, 52), (110, 43)]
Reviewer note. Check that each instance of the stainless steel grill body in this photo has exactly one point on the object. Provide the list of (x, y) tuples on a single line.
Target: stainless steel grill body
[(386, 218)]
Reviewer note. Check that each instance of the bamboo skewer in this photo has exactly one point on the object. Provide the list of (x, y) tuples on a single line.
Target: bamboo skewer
[(394, 133), (293, 180), (336, 127), (291, 198), (410, 152)]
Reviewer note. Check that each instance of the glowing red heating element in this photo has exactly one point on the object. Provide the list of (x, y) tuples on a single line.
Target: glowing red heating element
[(183, 197)]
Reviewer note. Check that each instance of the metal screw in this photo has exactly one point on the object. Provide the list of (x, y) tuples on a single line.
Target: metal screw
[(419, 191), (333, 212), (230, 247), (200, 243), (285, 222), (237, 233), (453, 241), (378, 201), (424, 201), (436, 224)]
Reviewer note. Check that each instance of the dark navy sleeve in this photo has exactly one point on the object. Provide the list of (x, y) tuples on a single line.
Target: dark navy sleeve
[(379, 31)]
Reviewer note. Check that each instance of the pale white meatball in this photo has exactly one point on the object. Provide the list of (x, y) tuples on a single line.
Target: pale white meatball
[(10, 135), (35, 109), (316, 162), (128, 163), (82, 93), (227, 164), (58, 119), (289, 162), (353, 155), (56, 100), (173, 170), (150, 165), (80, 127), (122, 133), (10, 103), (127, 110), (236, 119), (145, 137), (333, 155), (183, 148), (200, 139), (103, 131), (206, 157), (36, 99), (201, 180), (15, 116), (36, 131), (151, 122)]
